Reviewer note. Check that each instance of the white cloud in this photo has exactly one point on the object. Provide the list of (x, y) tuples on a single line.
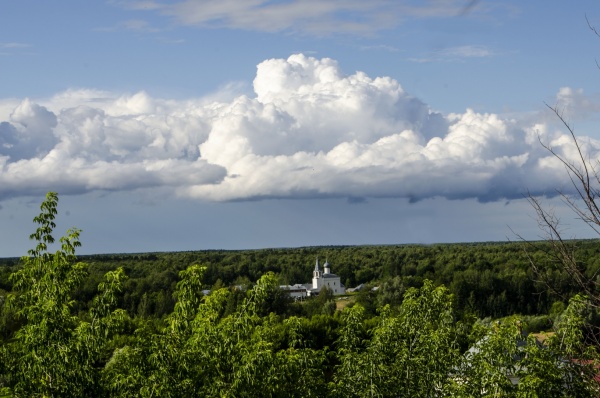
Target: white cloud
[(14, 48), (137, 4), (14, 45), (135, 25), (309, 130), (380, 47), (316, 17), (573, 103), (139, 26), (28, 132), (469, 51), (459, 53)]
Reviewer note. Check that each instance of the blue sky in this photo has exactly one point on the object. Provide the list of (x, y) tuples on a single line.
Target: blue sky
[(232, 124)]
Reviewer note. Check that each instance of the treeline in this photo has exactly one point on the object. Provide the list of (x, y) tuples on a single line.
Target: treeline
[(485, 279)]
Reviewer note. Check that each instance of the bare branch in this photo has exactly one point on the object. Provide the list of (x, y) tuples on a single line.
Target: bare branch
[(583, 201), (592, 27), (560, 253)]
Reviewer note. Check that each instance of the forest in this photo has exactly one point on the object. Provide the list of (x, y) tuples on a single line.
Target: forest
[(497, 319)]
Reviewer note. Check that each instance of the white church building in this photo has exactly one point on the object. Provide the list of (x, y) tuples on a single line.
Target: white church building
[(325, 279), (320, 280)]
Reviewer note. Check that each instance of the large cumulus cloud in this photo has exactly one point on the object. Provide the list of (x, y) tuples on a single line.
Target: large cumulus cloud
[(308, 130)]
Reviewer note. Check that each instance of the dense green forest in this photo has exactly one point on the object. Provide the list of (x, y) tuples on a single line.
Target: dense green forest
[(450, 320), (485, 279)]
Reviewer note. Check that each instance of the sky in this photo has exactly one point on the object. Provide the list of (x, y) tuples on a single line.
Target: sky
[(226, 124)]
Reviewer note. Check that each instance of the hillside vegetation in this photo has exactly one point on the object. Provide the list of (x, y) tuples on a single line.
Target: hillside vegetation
[(485, 279), (445, 320)]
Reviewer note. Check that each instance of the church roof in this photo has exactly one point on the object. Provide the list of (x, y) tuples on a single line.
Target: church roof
[(330, 276)]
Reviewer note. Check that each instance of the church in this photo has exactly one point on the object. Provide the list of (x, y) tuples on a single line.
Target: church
[(325, 278), (320, 279)]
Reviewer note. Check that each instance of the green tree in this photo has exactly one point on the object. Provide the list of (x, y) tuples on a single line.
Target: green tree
[(201, 352), (55, 353), (505, 362), (411, 353), (391, 292), (488, 366)]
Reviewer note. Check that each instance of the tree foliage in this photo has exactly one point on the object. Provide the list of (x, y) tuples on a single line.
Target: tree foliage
[(410, 353), (55, 353)]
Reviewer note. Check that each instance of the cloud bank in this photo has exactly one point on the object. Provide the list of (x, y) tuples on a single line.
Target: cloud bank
[(308, 131)]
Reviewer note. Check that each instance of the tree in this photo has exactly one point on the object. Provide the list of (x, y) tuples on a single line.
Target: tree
[(55, 353), (410, 354), (391, 292), (584, 202)]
